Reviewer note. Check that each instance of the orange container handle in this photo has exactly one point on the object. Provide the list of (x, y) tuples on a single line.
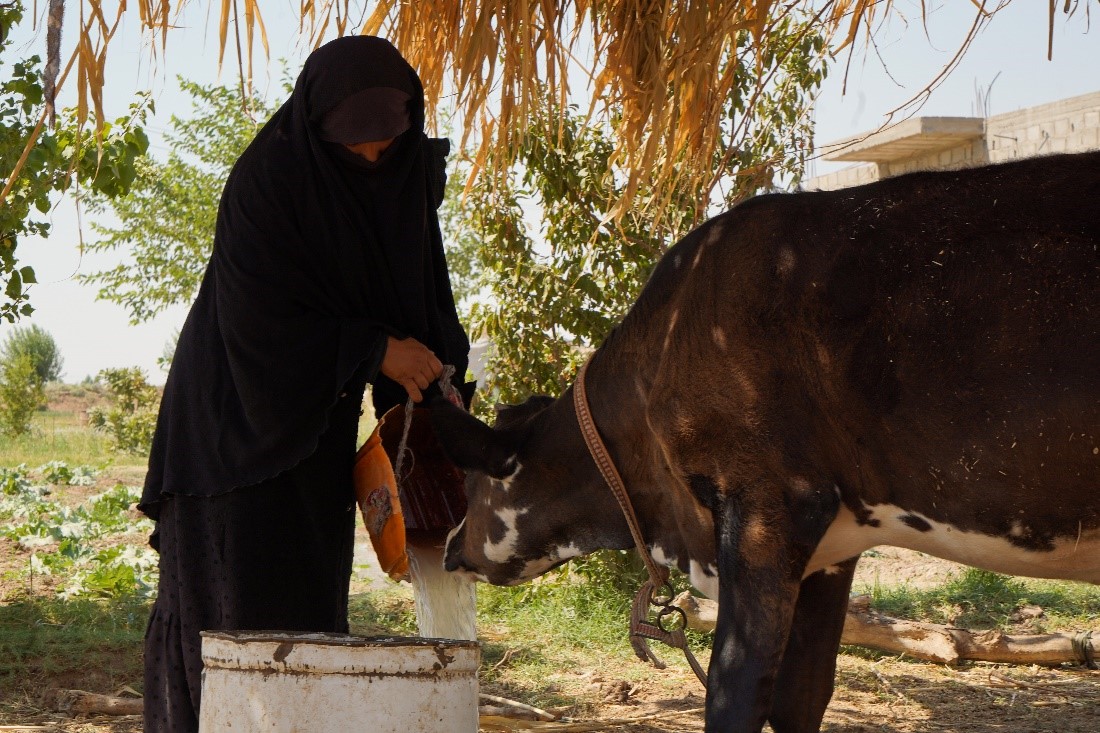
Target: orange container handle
[(376, 494)]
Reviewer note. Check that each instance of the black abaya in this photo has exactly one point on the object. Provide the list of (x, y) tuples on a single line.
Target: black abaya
[(319, 257), (274, 556)]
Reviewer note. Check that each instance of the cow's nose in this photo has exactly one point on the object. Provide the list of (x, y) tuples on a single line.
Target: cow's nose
[(452, 550)]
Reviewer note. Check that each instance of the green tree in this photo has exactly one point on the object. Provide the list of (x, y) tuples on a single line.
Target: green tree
[(60, 159), (167, 221), (543, 295), (22, 391), (36, 343), (132, 417)]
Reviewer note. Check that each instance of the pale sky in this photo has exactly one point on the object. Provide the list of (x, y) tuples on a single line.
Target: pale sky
[(93, 335)]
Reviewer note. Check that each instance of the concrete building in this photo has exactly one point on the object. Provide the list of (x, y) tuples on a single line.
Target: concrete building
[(926, 143)]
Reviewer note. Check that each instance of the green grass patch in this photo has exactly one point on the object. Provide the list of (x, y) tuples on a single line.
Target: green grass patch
[(57, 436), (979, 599), (539, 638), (62, 433), (80, 643), (383, 612), (573, 620)]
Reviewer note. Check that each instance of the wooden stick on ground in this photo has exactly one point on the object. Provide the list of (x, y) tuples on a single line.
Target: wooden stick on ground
[(929, 642), (79, 702), (529, 710)]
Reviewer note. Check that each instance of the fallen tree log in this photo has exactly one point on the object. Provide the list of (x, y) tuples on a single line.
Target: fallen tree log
[(79, 702), (930, 642)]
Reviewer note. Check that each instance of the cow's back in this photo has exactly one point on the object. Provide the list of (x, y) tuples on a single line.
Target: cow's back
[(930, 341)]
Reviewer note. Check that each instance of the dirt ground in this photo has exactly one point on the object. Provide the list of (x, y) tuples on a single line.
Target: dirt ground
[(884, 696), (874, 693)]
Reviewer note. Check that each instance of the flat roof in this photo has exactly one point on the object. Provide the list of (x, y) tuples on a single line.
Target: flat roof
[(914, 136)]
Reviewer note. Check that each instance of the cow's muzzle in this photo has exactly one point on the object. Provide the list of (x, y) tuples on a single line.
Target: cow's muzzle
[(452, 551)]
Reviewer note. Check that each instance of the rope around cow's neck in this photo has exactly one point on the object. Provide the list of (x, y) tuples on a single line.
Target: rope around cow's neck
[(640, 627), (450, 392)]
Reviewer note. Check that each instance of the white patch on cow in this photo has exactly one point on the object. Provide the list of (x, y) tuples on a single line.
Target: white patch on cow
[(705, 579), (503, 551), (538, 566), (658, 554), (471, 575), (567, 552), (1073, 558), (462, 571), (831, 569), (504, 484), (533, 569), (719, 337), (677, 260), (453, 532)]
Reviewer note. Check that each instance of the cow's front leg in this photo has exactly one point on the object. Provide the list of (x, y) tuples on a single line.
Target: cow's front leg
[(766, 534), (806, 676)]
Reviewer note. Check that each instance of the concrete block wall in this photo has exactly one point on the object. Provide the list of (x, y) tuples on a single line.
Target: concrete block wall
[(1067, 126), (853, 175), (969, 153)]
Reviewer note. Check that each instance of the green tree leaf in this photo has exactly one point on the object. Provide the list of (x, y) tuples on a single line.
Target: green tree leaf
[(166, 221), (59, 160)]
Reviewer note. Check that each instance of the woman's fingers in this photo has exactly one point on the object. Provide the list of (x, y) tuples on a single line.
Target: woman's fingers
[(411, 364), (411, 387), (435, 365)]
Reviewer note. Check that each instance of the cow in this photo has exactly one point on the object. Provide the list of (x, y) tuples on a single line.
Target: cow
[(914, 362)]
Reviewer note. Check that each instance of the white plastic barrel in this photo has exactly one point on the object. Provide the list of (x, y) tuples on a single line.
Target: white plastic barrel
[(314, 683)]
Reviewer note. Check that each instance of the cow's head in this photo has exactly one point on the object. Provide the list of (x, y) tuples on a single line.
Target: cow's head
[(534, 495)]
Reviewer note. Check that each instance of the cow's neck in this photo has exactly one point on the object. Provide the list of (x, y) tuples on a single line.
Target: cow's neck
[(670, 519)]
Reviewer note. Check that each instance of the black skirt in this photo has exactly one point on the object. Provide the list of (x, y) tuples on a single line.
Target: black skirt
[(276, 556)]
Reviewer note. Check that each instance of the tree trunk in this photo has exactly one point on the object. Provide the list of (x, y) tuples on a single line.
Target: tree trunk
[(929, 642)]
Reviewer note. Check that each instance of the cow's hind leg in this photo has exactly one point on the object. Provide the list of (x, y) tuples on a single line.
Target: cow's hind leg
[(766, 534), (806, 676)]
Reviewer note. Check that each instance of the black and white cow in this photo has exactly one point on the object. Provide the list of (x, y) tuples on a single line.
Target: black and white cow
[(914, 362)]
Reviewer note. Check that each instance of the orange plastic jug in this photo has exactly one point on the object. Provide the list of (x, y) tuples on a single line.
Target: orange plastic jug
[(376, 493)]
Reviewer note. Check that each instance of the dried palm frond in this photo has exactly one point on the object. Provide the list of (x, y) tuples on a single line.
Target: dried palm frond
[(656, 65)]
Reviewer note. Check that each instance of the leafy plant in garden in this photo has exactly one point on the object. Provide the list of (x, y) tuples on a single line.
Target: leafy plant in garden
[(37, 343), (59, 472), (132, 417), (58, 160), (22, 392), (78, 546)]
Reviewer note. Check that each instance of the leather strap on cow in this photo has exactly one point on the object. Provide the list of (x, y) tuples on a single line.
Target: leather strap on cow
[(640, 627)]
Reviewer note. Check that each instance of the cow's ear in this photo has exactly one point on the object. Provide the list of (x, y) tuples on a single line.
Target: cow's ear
[(470, 443)]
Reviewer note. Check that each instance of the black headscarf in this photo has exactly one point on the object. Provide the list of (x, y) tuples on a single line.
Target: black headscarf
[(318, 256)]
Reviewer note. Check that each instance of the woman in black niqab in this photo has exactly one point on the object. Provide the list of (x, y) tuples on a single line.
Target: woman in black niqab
[(327, 273)]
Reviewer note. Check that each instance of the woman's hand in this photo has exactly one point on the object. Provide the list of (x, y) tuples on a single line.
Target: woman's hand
[(411, 364)]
